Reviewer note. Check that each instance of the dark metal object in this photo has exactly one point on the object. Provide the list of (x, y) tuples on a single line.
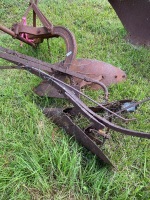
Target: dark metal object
[(58, 84), (135, 16), (8, 31), (94, 70), (62, 119)]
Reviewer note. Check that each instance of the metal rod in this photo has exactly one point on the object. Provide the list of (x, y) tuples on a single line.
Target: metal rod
[(130, 106), (6, 30), (34, 16), (10, 32)]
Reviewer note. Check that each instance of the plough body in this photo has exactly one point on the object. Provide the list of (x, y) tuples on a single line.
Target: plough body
[(80, 72)]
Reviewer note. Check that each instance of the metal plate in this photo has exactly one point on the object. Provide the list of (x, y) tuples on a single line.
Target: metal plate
[(135, 16), (98, 70)]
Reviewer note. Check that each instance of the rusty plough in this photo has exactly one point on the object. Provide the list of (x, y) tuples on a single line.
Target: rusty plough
[(80, 72)]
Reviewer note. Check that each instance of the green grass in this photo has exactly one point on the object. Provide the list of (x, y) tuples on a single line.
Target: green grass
[(37, 159)]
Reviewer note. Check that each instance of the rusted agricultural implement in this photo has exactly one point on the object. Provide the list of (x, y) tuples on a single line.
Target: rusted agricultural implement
[(80, 72), (135, 16)]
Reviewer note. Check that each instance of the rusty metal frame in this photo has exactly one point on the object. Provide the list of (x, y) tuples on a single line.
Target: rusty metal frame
[(78, 71), (37, 34), (54, 76), (64, 118)]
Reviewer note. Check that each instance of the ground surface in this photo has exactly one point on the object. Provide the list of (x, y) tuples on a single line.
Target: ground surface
[(37, 159)]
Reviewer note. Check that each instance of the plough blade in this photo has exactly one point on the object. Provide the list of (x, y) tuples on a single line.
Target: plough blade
[(135, 16), (60, 117), (94, 69), (98, 70)]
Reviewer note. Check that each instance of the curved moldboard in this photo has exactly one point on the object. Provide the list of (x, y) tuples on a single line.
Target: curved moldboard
[(135, 16)]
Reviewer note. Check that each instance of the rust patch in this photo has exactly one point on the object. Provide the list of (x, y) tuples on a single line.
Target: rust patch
[(97, 70)]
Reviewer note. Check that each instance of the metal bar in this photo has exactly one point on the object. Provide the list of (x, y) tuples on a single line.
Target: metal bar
[(34, 19), (34, 15), (42, 18), (8, 31), (34, 32), (10, 67), (130, 106)]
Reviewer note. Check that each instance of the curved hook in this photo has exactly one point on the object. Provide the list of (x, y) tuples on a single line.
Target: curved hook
[(71, 46)]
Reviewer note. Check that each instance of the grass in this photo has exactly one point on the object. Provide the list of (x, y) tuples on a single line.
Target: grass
[(37, 159)]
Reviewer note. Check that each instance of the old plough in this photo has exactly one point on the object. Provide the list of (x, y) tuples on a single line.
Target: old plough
[(80, 72)]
